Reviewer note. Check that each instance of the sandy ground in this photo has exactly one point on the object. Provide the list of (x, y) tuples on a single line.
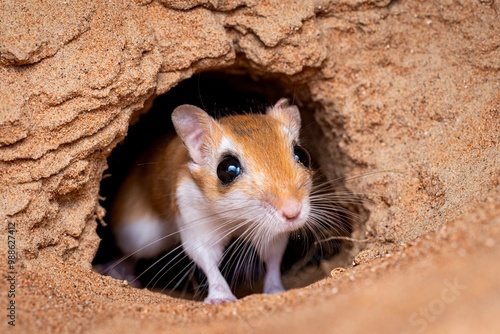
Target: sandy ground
[(445, 282), (407, 87)]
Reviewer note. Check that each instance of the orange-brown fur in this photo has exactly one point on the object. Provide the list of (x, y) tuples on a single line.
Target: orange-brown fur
[(157, 172)]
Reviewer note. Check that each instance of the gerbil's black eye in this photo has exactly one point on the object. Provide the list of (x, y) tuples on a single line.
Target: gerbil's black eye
[(229, 168), (301, 156)]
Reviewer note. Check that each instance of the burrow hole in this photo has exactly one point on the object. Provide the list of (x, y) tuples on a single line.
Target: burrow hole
[(306, 259)]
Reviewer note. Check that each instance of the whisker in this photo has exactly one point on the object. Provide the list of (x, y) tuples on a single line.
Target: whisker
[(221, 226), (242, 249), (169, 264), (344, 238), (204, 220)]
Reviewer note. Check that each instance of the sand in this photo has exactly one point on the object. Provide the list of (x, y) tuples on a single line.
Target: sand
[(406, 94)]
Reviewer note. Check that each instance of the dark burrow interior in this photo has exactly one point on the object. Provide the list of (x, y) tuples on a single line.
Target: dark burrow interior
[(222, 93)]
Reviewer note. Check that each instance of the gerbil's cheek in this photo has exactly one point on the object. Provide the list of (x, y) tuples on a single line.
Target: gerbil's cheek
[(236, 205)]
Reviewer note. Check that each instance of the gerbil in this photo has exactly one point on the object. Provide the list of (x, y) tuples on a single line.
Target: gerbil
[(240, 176)]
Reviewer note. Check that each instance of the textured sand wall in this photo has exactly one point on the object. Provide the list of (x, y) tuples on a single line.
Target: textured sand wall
[(73, 72)]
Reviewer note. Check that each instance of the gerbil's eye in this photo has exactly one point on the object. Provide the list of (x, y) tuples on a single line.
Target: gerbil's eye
[(301, 156), (229, 168)]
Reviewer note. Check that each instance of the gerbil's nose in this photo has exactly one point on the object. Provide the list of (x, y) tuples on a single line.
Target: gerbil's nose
[(290, 208)]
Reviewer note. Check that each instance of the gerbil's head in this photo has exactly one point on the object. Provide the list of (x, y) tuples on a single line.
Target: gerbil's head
[(251, 168)]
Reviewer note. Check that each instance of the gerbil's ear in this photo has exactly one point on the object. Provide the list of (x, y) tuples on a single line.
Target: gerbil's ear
[(286, 114), (194, 126)]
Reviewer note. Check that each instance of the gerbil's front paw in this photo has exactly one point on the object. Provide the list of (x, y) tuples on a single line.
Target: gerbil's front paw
[(219, 294), (274, 289), (219, 298), (272, 284), (215, 301)]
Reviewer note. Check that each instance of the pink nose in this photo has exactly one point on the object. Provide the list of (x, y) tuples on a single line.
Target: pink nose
[(291, 208)]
